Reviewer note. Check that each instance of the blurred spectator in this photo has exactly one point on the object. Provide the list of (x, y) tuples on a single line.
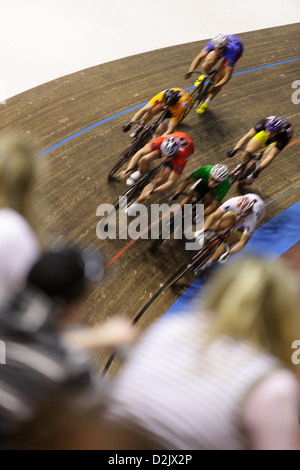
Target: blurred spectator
[(220, 377), (49, 395), (19, 244)]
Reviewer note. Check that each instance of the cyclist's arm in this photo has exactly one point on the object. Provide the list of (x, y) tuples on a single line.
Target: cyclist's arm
[(269, 155), (211, 208), (197, 60), (173, 178), (152, 111), (240, 245), (141, 112), (244, 140), (212, 218)]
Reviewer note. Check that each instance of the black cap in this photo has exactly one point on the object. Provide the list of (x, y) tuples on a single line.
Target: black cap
[(66, 273)]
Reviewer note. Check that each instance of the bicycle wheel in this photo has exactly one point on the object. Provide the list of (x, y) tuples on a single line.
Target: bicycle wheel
[(124, 157), (199, 259), (136, 145), (123, 201), (162, 231), (195, 95)]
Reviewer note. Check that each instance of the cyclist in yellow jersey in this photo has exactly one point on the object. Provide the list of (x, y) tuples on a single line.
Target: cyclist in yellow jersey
[(175, 100), (274, 132)]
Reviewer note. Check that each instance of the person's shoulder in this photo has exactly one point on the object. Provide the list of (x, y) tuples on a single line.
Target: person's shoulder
[(256, 198), (13, 224), (233, 38)]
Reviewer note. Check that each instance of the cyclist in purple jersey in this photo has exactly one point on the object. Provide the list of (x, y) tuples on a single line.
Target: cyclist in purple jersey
[(273, 132), (227, 47)]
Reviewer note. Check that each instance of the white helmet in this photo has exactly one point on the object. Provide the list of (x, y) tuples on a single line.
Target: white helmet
[(219, 41), (170, 147), (219, 172)]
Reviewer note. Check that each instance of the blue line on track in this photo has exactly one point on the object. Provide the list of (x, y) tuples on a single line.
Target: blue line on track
[(93, 126)]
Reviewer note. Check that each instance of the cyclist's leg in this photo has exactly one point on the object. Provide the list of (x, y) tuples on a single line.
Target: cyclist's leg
[(133, 162), (144, 162), (218, 77), (232, 239), (253, 146), (162, 128), (199, 189), (159, 179), (227, 220), (191, 195)]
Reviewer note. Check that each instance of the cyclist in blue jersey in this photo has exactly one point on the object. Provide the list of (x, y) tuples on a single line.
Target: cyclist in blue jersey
[(229, 48)]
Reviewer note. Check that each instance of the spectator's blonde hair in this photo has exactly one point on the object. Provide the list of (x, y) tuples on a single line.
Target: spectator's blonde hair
[(257, 301), (18, 176)]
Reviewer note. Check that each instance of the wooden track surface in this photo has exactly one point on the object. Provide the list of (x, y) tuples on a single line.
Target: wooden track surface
[(75, 182)]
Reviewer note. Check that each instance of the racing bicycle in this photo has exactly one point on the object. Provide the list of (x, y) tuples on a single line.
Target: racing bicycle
[(145, 135), (203, 255), (201, 91), (174, 221)]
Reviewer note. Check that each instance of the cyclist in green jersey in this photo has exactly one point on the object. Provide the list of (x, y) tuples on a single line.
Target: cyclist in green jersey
[(210, 182)]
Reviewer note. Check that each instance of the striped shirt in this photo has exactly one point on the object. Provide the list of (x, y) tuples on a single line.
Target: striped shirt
[(180, 395)]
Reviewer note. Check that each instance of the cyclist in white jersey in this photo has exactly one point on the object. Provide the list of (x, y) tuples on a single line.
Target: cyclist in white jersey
[(244, 212)]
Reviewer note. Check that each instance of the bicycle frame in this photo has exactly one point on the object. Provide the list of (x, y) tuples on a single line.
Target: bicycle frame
[(202, 255), (146, 134), (194, 202), (201, 91), (242, 172)]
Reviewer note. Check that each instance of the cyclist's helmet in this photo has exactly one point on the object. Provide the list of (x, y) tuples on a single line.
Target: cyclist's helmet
[(219, 172), (274, 123), (245, 206), (171, 97), (219, 41), (170, 147)]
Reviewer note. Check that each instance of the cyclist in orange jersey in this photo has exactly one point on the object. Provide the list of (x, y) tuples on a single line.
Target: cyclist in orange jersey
[(175, 100)]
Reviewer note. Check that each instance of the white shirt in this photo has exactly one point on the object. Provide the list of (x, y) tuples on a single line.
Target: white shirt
[(181, 394), (19, 249), (249, 223)]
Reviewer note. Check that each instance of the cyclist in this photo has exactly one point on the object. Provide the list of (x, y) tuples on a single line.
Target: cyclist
[(210, 182), (175, 100), (229, 48), (244, 212), (274, 132), (174, 150), (153, 150)]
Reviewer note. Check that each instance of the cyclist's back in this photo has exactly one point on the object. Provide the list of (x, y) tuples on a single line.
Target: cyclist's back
[(281, 139)]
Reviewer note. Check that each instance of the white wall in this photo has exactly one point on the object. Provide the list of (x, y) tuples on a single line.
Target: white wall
[(41, 40)]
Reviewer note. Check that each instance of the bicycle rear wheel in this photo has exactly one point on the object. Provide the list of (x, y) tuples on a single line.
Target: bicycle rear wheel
[(123, 201), (197, 260), (136, 145), (124, 157), (161, 237)]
